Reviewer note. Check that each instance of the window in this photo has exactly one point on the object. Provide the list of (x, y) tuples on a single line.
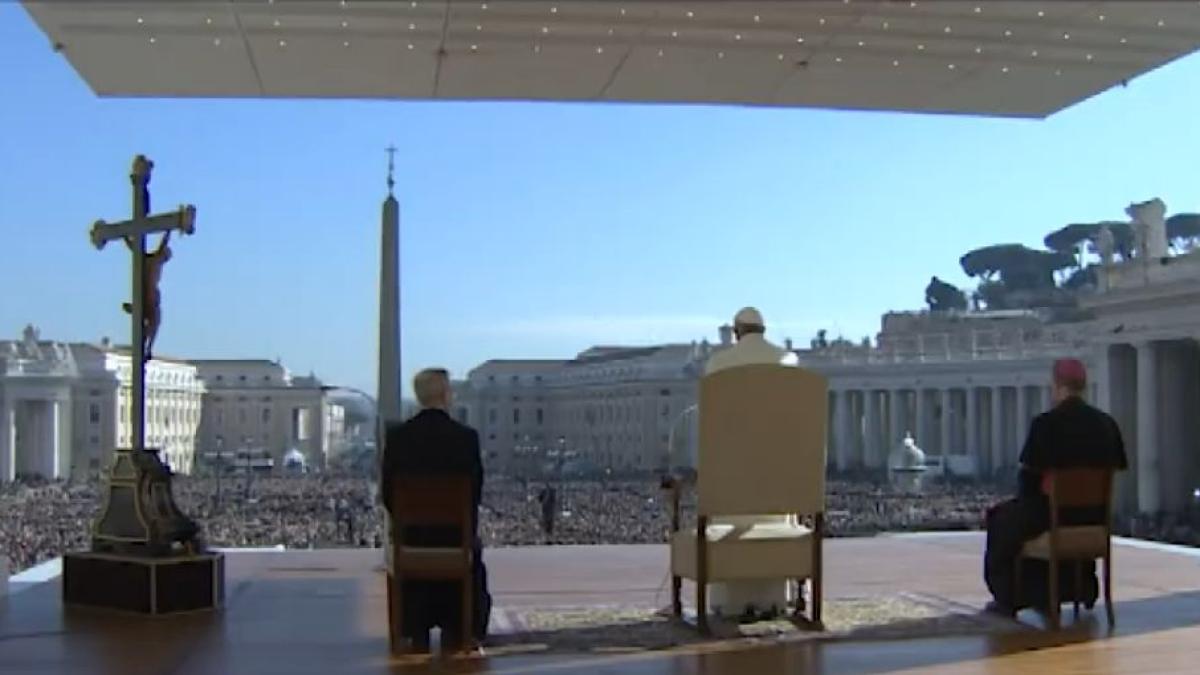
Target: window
[(540, 416), (94, 440), (492, 416), (266, 415), (491, 437), (94, 392), (242, 378), (220, 418), (220, 377), (94, 413), (516, 415), (241, 416)]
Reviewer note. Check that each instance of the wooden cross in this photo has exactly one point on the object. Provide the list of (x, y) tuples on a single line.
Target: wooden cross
[(134, 233)]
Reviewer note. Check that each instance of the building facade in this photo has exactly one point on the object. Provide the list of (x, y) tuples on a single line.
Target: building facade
[(609, 408), (257, 406), (65, 407), (1145, 344)]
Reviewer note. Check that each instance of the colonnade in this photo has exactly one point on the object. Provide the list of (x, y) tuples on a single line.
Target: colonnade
[(978, 428)]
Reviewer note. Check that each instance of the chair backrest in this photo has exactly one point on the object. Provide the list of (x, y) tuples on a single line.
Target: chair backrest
[(1078, 488), (432, 501), (762, 441)]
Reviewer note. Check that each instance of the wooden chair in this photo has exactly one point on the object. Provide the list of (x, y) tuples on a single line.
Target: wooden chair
[(439, 501), (761, 452), (1074, 489)]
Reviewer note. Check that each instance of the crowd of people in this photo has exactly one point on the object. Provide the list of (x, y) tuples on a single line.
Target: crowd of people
[(41, 520)]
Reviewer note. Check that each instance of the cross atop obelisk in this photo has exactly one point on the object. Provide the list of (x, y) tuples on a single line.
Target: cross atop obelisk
[(147, 267), (391, 182)]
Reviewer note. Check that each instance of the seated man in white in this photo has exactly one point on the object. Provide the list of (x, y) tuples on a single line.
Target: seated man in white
[(749, 599)]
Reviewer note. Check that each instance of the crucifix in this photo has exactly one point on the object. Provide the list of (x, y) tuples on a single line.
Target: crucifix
[(144, 307)]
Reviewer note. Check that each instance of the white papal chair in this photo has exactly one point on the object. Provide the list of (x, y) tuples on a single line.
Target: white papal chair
[(761, 452)]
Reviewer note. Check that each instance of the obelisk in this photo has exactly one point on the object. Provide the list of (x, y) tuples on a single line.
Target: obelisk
[(387, 399)]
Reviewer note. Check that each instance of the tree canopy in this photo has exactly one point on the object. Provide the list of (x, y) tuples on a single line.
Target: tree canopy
[(1017, 265), (1068, 238), (1183, 226)]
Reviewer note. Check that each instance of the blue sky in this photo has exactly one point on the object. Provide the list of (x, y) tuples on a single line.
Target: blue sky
[(537, 230)]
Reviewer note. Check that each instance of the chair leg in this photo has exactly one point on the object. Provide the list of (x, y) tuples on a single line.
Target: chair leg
[(702, 606), (1079, 586), (391, 614), (1108, 603), (1053, 594), (396, 602), (467, 625), (817, 598), (1016, 583), (676, 600)]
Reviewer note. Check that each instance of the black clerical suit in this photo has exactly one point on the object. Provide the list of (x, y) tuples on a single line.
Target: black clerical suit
[(1071, 435), (431, 443)]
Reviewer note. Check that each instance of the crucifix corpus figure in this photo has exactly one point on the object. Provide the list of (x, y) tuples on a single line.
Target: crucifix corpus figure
[(147, 265), (152, 299)]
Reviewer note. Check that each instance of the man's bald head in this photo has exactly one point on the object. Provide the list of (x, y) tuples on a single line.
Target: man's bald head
[(432, 387)]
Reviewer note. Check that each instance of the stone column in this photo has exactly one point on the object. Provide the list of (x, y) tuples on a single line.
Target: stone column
[(66, 439), (946, 444), (1147, 428), (1102, 376), (8, 440), (842, 433), (997, 428), (971, 430), (895, 421), (871, 440), (47, 459), (1022, 420), (919, 417)]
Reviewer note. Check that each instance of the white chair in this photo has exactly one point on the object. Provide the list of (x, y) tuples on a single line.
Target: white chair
[(762, 452)]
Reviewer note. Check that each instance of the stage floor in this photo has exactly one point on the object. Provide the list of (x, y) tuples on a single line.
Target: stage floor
[(325, 612)]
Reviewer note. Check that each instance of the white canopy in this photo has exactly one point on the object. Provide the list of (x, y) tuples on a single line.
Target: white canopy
[(1023, 58)]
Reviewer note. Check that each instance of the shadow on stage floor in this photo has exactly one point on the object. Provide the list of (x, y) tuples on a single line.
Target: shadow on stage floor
[(325, 612)]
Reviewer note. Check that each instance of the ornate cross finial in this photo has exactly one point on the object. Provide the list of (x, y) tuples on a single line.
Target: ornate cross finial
[(391, 151)]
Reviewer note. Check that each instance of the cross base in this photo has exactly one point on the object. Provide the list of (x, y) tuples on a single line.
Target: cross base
[(154, 586), (139, 516)]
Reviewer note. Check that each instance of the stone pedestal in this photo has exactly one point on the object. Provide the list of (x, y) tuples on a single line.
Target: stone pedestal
[(143, 585)]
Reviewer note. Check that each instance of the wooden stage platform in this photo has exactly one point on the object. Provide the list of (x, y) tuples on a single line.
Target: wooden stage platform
[(299, 612)]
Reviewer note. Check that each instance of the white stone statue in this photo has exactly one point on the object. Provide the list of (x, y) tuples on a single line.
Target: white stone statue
[(1150, 224), (1106, 243)]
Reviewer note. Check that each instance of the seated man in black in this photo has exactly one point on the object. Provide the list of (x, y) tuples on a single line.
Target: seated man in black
[(1071, 435), (432, 443)]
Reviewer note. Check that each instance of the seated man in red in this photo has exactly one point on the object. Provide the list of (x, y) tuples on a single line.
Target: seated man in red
[(1071, 435)]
